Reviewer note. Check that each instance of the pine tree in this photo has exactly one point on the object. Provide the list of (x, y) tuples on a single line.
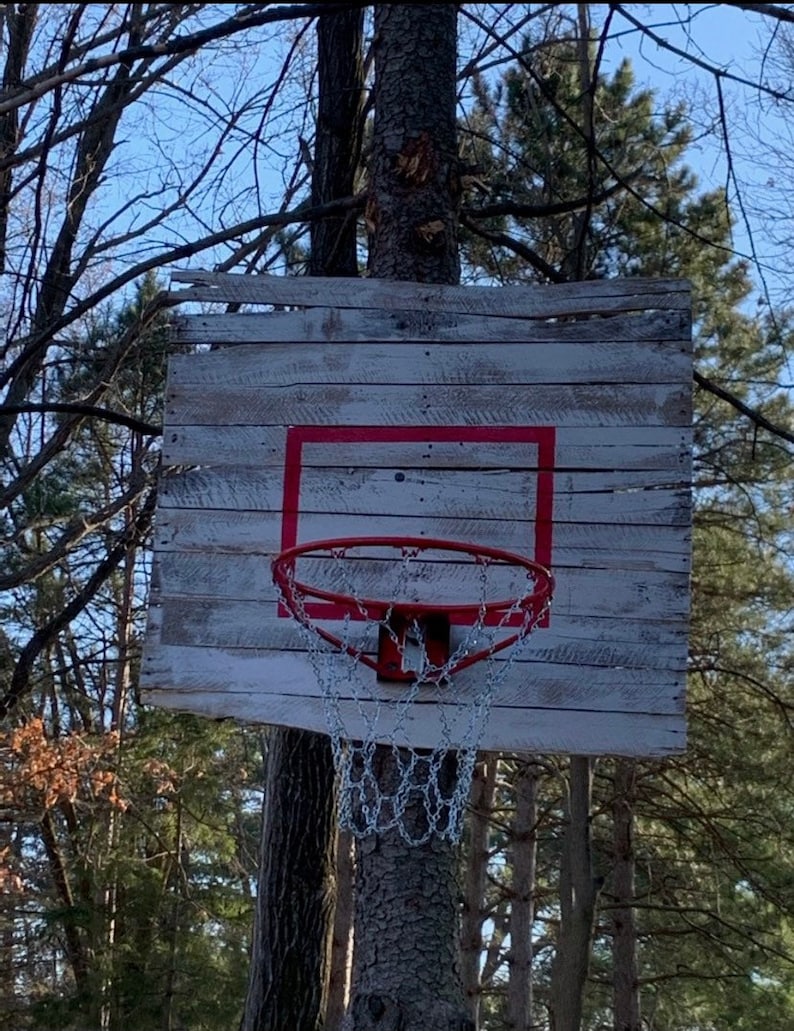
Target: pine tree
[(711, 855), (128, 837)]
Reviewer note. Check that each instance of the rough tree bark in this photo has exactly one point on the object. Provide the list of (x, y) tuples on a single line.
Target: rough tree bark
[(578, 893), (291, 956), (337, 147), (625, 977), (342, 937), (406, 970), (289, 960), (481, 801), (522, 904)]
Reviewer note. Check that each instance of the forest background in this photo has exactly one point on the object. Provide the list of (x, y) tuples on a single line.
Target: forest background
[(137, 138)]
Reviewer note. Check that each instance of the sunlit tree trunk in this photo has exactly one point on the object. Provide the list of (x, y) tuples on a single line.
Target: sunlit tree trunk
[(342, 938), (482, 795), (406, 971), (292, 954), (625, 977), (577, 904), (522, 904)]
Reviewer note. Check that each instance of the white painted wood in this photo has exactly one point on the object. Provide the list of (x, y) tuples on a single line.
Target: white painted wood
[(596, 297), (402, 490), (399, 405), (583, 545), (656, 448), (607, 364), (517, 364), (584, 728), (261, 490), (646, 595), (508, 730), (667, 329), (538, 685), (607, 641)]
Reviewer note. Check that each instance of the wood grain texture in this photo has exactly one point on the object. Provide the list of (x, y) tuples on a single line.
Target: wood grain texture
[(580, 545), (371, 492), (669, 329), (603, 592), (598, 297), (607, 365), (517, 729), (654, 448), (310, 404), (606, 641)]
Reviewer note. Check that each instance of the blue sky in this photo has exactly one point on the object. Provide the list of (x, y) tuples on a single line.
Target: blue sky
[(736, 42)]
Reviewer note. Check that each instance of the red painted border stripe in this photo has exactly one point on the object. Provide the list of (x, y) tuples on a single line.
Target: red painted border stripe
[(297, 436)]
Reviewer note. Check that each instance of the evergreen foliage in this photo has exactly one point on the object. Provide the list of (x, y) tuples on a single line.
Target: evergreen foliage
[(129, 837), (713, 828)]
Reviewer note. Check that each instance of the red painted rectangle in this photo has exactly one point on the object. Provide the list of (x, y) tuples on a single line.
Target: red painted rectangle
[(298, 436)]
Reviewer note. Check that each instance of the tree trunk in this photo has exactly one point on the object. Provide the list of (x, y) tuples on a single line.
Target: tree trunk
[(290, 963), (406, 972), (337, 148), (577, 905), (482, 796), (522, 904), (625, 977), (342, 939), (413, 199)]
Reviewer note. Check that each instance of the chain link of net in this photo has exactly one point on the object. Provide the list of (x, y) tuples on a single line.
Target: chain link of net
[(383, 785)]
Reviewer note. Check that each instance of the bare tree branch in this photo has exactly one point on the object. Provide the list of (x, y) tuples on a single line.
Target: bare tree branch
[(547, 210), (254, 17), (604, 161), (532, 258), (777, 11), (41, 638), (148, 429), (73, 534), (712, 69), (751, 413)]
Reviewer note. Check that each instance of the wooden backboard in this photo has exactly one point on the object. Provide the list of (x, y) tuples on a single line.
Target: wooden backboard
[(551, 421)]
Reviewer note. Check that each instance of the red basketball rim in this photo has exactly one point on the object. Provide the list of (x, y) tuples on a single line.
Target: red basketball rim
[(293, 591)]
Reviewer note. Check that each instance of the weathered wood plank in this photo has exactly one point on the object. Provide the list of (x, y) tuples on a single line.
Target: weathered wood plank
[(585, 727), (597, 297), (586, 545), (398, 405), (370, 492), (515, 364), (670, 329), (531, 685), (585, 592), (572, 640), (599, 448), (511, 730), (605, 363)]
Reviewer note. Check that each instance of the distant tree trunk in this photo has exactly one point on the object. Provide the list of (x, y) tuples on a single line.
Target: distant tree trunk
[(578, 891), (342, 939), (291, 956), (289, 962), (522, 904), (406, 972), (577, 905), (482, 795), (337, 148), (625, 977)]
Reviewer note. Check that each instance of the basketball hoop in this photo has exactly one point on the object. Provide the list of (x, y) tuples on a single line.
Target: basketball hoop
[(409, 645)]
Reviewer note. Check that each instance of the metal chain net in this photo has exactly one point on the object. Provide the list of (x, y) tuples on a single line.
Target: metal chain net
[(382, 783)]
